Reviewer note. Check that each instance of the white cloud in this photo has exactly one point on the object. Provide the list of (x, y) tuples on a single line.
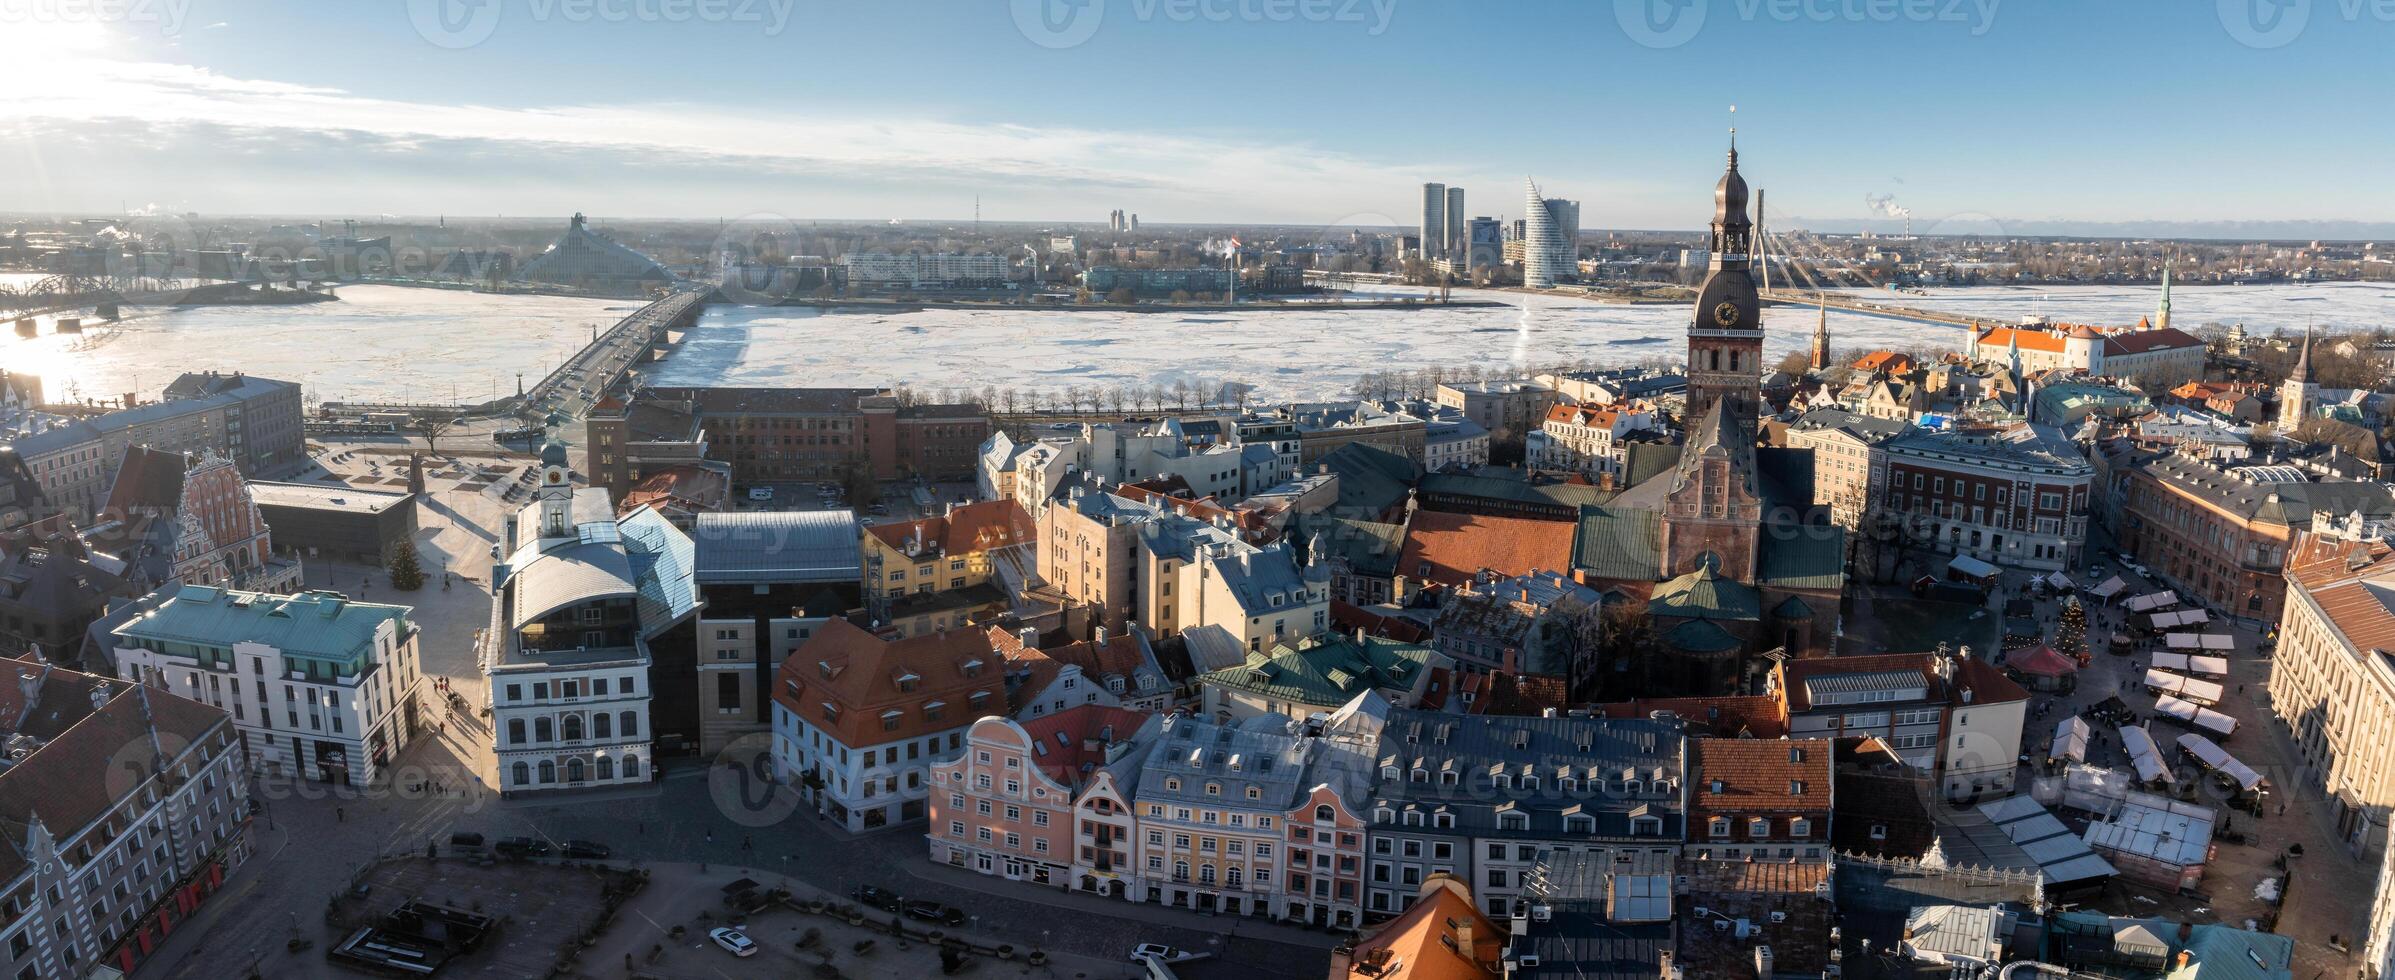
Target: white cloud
[(1198, 176)]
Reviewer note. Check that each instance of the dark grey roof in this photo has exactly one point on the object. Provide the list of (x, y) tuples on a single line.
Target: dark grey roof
[(767, 547), (1598, 752), (1371, 479), (1576, 943), (2285, 503), (1370, 548)]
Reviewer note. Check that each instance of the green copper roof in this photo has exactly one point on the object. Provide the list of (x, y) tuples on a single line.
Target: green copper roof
[(1704, 594), (1803, 556), (1700, 636), (1618, 544), (316, 625), (1792, 608), (1331, 673)]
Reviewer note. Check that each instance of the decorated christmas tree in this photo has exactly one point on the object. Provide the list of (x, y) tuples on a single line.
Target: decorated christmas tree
[(406, 576), (2070, 637)]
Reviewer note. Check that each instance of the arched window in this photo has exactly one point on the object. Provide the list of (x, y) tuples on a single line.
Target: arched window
[(1322, 813), (544, 730), (631, 766), (574, 771), (548, 772), (522, 775), (573, 728), (515, 731), (602, 725), (630, 724), (606, 765), (1232, 877)]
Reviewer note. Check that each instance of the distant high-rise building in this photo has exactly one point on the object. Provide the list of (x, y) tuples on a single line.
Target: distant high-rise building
[(1133, 225), (1455, 224), (1548, 234), (1484, 243), (1434, 219)]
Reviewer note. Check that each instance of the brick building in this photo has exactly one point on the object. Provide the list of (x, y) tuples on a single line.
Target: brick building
[(778, 435)]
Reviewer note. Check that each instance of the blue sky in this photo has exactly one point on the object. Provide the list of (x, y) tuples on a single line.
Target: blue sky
[(1969, 113)]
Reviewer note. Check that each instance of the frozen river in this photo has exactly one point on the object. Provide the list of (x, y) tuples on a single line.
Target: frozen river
[(1319, 353), (377, 343), (396, 343)]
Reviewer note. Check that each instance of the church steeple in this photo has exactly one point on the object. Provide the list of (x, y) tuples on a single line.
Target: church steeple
[(1821, 334), (1725, 334), (2162, 309), (2296, 395)]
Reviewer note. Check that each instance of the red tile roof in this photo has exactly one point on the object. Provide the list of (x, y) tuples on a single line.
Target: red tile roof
[(2144, 341), (2000, 338), (1520, 695), (1350, 618), (1887, 360), (1739, 778), (1455, 547), (864, 677), (1758, 715), (964, 530), (1075, 739), (1985, 681)]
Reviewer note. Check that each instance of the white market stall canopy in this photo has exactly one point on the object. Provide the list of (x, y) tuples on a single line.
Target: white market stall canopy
[(2181, 617), (2151, 601), (2203, 641), (2144, 754), (2198, 691), (2196, 715), (1973, 567), (2111, 587), (2218, 760), (2070, 740), (2059, 580)]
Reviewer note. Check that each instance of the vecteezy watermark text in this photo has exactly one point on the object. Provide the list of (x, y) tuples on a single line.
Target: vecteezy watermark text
[(466, 23), (1672, 23), (1068, 23), (167, 14)]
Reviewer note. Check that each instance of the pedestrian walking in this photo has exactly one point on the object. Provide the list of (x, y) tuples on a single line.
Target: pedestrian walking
[(710, 835), (744, 843), (340, 815)]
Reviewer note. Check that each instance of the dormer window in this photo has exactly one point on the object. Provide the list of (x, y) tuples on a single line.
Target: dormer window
[(972, 668), (1800, 827), (890, 719), (1254, 794), (1172, 785), (1443, 820), (1513, 820), (825, 668), (1796, 787), (1718, 827), (1646, 826), (1213, 789), (1758, 827), (908, 681)]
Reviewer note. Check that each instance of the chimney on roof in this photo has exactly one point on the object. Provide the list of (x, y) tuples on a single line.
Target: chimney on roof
[(29, 684), (1463, 935), (1098, 636), (1028, 636), (99, 695)]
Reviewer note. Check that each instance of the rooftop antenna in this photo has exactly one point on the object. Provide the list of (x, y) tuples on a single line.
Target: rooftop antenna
[(977, 214)]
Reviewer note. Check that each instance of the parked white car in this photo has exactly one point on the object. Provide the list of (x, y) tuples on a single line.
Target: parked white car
[(733, 941)]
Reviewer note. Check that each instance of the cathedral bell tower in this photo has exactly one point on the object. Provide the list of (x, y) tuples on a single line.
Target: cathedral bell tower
[(1725, 340)]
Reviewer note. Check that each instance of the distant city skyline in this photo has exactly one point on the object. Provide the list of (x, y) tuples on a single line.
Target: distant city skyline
[(1061, 110)]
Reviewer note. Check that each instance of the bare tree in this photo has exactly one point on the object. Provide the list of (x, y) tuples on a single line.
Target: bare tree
[(432, 428)]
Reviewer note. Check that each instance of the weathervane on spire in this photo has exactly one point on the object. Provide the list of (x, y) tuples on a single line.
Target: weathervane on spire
[(1733, 127)]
